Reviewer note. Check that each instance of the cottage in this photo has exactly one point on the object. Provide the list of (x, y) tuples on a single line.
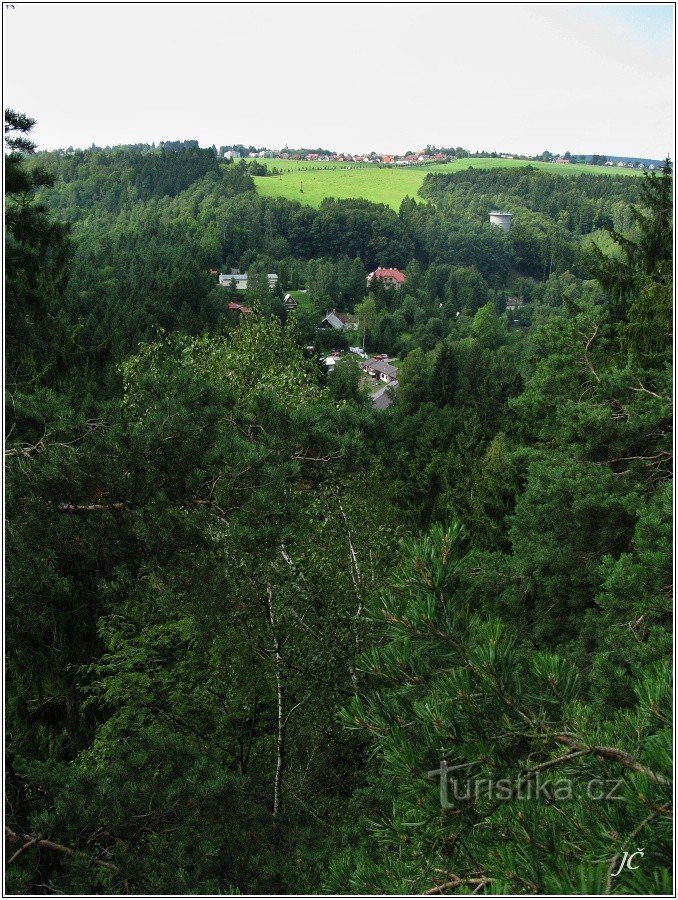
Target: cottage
[(238, 307), (381, 369), (339, 321), (390, 278), (290, 303)]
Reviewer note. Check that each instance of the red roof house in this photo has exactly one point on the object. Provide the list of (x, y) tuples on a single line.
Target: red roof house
[(238, 307), (389, 277)]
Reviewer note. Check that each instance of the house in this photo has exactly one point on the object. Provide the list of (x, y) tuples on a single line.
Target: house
[(381, 369), (383, 398), (290, 303), (214, 271), (234, 278), (514, 303), (390, 278), (238, 307), (340, 321), (240, 280)]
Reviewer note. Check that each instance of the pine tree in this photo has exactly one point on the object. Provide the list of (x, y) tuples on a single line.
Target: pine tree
[(497, 774)]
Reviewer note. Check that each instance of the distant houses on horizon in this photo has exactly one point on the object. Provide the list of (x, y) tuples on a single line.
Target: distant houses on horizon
[(433, 155)]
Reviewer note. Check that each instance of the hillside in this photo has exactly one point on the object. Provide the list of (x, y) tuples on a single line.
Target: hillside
[(311, 183)]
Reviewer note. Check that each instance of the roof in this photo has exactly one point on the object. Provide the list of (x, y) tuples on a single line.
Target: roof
[(396, 274), (333, 319), (227, 279), (345, 317), (339, 320), (238, 307), (384, 397), (381, 366)]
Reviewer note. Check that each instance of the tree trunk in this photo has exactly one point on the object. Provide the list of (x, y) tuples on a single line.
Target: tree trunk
[(280, 749)]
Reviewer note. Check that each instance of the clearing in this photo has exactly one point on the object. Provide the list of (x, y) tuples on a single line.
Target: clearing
[(311, 182)]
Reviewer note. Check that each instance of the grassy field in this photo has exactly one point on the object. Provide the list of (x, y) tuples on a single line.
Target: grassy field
[(310, 183), (303, 301)]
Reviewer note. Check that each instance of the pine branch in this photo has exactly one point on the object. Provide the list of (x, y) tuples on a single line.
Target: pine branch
[(30, 841), (455, 882), (621, 756)]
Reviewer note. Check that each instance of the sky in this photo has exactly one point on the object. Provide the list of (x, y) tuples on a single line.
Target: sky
[(510, 77)]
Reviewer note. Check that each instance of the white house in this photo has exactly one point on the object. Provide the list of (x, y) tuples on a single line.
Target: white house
[(236, 278), (227, 280)]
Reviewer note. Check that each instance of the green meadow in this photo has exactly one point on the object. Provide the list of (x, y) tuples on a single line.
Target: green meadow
[(311, 182)]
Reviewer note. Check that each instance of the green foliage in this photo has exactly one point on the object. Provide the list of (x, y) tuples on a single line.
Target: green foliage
[(213, 548), (512, 723), (37, 253), (641, 281)]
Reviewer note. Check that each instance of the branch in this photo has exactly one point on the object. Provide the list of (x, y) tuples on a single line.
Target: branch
[(302, 456), (643, 390), (457, 882), (90, 507), (21, 849), (621, 756), (662, 454), (556, 762), (29, 449), (586, 357), (43, 843)]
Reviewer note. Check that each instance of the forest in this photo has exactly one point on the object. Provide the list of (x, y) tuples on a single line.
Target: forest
[(262, 638)]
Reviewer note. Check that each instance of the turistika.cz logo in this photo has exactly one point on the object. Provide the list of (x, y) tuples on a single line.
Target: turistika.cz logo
[(528, 787)]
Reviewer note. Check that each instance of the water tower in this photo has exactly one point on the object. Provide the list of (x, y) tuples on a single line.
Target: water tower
[(500, 219)]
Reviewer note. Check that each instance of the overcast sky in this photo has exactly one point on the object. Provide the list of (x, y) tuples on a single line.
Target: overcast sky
[(589, 78)]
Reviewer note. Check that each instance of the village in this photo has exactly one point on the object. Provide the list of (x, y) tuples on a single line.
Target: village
[(380, 375), (422, 156), (429, 155)]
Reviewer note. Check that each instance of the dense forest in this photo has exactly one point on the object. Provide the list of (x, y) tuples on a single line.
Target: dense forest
[(264, 638)]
